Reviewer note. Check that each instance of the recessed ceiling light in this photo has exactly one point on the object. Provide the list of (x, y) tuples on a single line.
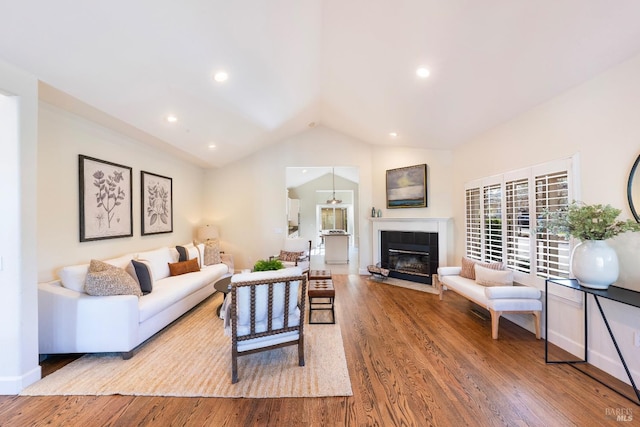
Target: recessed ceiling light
[(422, 72), (221, 76), (171, 118), (212, 146), (393, 134)]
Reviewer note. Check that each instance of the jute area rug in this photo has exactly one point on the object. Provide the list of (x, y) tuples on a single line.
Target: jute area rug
[(404, 284), (192, 358)]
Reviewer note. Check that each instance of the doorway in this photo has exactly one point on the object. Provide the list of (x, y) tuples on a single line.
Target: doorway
[(312, 188)]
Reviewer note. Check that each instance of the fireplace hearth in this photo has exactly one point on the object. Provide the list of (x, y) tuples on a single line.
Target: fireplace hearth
[(409, 256)]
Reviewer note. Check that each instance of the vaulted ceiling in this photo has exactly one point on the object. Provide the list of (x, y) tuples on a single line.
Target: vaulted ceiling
[(293, 64)]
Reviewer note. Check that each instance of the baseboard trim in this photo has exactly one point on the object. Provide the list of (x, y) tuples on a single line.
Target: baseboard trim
[(14, 385)]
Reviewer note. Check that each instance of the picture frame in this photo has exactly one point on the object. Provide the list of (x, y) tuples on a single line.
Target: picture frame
[(105, 199), (407, 187), (156, 204)]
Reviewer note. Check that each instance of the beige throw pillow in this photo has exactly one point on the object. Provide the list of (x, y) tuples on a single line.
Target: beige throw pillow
[(468, 267), (289, 256), (212, 252), (490, 277), (105, 279)]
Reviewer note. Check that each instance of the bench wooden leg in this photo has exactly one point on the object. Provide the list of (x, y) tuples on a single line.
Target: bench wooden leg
[(536, 315), (495, 321)]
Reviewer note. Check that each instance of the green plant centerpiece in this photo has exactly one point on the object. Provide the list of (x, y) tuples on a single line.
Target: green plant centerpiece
[(268, 264), (593, 262), (589, 222)]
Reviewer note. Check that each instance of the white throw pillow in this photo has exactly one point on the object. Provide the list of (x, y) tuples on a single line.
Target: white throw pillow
[(73, 277), (489, 277), (159, 261), (120, 262)]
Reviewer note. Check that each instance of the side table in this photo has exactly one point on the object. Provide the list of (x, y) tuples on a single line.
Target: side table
[(223, 284), (614, 293)]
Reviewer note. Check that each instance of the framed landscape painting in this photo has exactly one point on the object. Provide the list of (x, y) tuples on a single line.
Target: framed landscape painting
[(407, 187), (157, 203), (105, 200)]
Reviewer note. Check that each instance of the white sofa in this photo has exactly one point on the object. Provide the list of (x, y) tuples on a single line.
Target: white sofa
[(497, 299), (71, 321)]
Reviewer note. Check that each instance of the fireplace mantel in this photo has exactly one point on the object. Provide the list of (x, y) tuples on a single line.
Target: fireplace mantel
[(442, 226)]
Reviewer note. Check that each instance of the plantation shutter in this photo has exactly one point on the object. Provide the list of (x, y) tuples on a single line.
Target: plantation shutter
[(518, 225), (492, 209), (473, 223), (552, 251)]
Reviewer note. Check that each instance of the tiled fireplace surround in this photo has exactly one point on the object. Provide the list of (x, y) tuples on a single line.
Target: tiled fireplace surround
[(442, 226)]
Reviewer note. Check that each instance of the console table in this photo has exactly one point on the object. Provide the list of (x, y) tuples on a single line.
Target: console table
[(613, 293)]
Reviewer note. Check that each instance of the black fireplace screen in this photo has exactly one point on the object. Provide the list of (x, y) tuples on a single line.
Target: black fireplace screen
[(409, 262)]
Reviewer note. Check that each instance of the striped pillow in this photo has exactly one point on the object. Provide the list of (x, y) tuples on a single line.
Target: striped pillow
[(468, 267)]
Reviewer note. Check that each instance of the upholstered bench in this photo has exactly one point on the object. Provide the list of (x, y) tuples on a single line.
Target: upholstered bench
[(321, 289), (497, 299), (319, 274)]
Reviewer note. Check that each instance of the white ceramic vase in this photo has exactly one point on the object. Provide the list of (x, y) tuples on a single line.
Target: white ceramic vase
[(595, 264)]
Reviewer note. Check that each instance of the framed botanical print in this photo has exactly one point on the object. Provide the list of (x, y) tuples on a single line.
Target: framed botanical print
[(156, 203), (105, 199), (407, 187)]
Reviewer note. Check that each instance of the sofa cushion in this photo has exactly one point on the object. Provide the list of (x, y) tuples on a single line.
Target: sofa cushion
[(105, 279), (468, 267), (73, 276), (512, 292), (200, 249), (489, 277), (159, 261), (184, 267), (467, 287), (168, 291)]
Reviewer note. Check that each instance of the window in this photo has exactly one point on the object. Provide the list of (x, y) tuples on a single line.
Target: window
[(518, 243), (493, 223), (501, 218), (473, 224), (552, 251)]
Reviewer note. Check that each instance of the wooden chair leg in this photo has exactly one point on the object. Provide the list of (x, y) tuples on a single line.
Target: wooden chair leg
[(234, 369), (301, 354), (495, 321)]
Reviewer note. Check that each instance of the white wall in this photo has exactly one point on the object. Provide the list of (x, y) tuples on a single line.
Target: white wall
[(18, 168), (62, 137), (598, 120), (247, 199), (439, 180)]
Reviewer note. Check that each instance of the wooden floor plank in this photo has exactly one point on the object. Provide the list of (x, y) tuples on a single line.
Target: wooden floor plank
[(413, 360)]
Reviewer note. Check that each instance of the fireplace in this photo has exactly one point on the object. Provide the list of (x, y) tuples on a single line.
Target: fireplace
[(409, 255)]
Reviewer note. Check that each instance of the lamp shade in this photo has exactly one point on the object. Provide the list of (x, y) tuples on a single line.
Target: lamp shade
[(207, 232)]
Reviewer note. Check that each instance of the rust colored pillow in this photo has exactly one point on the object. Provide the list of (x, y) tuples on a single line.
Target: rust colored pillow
[(469, 271), (178, 268)]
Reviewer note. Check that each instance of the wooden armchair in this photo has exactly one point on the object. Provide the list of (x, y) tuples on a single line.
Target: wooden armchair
[(260, 319), (295, 253)]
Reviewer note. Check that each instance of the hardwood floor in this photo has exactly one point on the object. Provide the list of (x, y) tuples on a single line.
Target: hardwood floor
[(413, 360)]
